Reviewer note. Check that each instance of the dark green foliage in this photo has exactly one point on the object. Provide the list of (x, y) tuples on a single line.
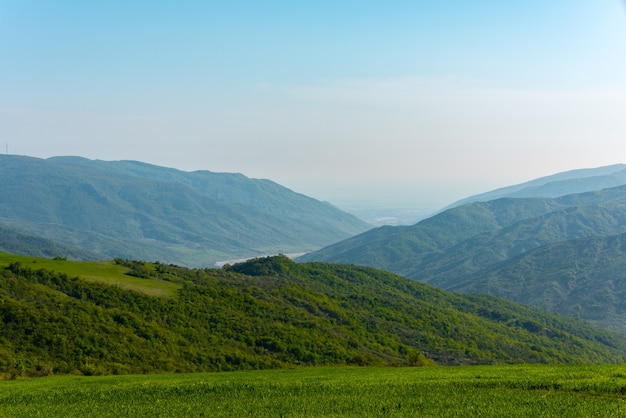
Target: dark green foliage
[(270, 313), (134, 210), (264, 266)]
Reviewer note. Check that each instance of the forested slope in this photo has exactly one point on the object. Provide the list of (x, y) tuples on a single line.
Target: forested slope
[(268, 312)]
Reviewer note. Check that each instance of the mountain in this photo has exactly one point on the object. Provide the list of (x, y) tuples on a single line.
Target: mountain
[(469, 248), (583, 278), (136, 210), (556, 185), (265, 313), (15, 242)]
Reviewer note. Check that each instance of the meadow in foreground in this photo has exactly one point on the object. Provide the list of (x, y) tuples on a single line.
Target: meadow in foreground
[(524, 390)]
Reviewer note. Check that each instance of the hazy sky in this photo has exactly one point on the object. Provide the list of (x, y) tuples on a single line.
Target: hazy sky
[(384, 103)]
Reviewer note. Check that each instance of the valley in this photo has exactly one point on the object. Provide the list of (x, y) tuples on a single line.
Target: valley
[(559, 253), (473, 284), (312, 209)]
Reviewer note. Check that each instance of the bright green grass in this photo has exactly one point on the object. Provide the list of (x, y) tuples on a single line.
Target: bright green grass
[(98, 271), (473, 391)]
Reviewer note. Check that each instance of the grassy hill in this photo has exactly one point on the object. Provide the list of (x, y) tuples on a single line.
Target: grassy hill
[(265, 313), (125, 275), (134, 210)]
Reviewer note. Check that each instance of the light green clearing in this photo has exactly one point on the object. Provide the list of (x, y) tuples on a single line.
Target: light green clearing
[(106, 272), (469, 391)]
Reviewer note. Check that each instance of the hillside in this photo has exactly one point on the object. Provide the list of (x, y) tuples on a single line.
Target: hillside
[(266, 313), (136, 210), (465, 247), (583, 278), (16, 242)]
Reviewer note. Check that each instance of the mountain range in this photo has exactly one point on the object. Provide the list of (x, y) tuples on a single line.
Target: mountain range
[(104, 209), (553, 243), (557, 253), (564, 252), (556, 185)]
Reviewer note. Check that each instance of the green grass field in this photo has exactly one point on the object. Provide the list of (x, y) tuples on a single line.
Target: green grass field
[(98, 271), (468, 391)]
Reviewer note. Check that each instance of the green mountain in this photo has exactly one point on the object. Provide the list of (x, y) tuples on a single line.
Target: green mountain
[(135, 210), (583, 278), (265, 313), (15, 242), (470, 247)]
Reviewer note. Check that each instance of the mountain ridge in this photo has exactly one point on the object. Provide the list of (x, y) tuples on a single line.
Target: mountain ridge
[(556, 185), (162, 213)]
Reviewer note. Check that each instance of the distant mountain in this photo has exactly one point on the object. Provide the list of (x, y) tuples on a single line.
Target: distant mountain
[(556, 185), (136, 210), (470, 247), (264, 313)]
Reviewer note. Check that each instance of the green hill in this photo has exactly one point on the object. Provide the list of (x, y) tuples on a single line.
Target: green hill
[(265, 313), (135, 210)]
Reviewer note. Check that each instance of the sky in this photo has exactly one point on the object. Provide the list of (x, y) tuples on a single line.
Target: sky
[(381, 104)]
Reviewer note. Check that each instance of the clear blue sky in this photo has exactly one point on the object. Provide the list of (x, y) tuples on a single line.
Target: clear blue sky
[(382, 103)]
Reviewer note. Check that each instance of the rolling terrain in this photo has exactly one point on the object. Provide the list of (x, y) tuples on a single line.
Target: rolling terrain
[(59, 316), (136, 210), (540, 251)]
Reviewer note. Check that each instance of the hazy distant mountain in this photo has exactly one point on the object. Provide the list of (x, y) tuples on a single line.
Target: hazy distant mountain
[(470, 247), (136, 210), (560, 184)]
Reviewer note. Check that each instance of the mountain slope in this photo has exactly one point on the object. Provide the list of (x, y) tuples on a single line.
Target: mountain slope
[(15, 242), (135, 210), (583, 278), (396, 249), (467, 247), (269, 312)]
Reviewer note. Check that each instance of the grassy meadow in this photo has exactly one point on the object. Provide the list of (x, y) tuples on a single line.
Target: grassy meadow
[(513, 390), (106, 272)]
